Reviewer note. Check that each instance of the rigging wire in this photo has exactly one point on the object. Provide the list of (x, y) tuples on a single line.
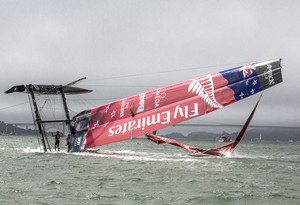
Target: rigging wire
[(86, 103), (123, 86), (148, 73), (166, 71), (12, 106), (51, 110)]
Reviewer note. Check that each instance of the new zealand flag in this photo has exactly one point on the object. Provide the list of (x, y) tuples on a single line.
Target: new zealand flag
[(244, 83)]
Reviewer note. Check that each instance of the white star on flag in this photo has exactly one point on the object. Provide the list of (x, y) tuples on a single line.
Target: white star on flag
[(113, 113), (96, 125), (254, 82), (241, 95), (107, 108)]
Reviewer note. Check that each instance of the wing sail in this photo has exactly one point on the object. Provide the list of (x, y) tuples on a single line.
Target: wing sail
[(140, 114)]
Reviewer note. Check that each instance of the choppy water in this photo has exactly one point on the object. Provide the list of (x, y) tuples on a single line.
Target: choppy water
[(141, 172)]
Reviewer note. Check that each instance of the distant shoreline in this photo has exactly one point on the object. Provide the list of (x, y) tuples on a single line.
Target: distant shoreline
[(291, 134)]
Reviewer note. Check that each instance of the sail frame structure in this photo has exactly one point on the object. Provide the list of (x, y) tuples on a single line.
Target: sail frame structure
[(144, 113), (34, 90)]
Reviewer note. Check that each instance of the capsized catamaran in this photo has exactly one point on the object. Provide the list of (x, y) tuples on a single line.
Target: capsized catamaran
[(147, 112)]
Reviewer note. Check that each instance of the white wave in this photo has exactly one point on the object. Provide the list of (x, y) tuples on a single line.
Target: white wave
[(33, 150), (24, 149), (130, 155), (30, 150)]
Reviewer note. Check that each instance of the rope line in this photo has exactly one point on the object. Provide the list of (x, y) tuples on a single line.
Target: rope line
[(167, 71), (13, 106)]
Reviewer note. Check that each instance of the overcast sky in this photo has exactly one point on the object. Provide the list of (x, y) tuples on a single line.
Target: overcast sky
[(59, 41)]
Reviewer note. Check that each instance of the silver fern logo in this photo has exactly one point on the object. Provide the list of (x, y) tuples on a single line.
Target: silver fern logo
[(205, 90)]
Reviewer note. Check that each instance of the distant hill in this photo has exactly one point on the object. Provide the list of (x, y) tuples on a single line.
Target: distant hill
[(269, 134), (8, 129), (282, 134)]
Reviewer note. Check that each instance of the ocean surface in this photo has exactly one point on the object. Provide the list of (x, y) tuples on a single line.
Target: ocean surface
[(141, 172)]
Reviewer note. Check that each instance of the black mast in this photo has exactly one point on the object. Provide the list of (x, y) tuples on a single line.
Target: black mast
[(38, 120), (68, 121)]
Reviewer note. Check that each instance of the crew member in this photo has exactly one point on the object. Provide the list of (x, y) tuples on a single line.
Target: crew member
[(57, 137)]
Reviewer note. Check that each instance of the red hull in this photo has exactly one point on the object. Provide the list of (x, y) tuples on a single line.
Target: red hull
[(140, 114)]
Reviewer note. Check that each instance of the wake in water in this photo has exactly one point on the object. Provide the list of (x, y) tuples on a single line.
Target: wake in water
[(129, 155), (132, 155)]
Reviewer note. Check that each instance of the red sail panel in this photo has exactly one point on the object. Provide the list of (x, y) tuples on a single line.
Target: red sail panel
[(225, 150), (137, 115)]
